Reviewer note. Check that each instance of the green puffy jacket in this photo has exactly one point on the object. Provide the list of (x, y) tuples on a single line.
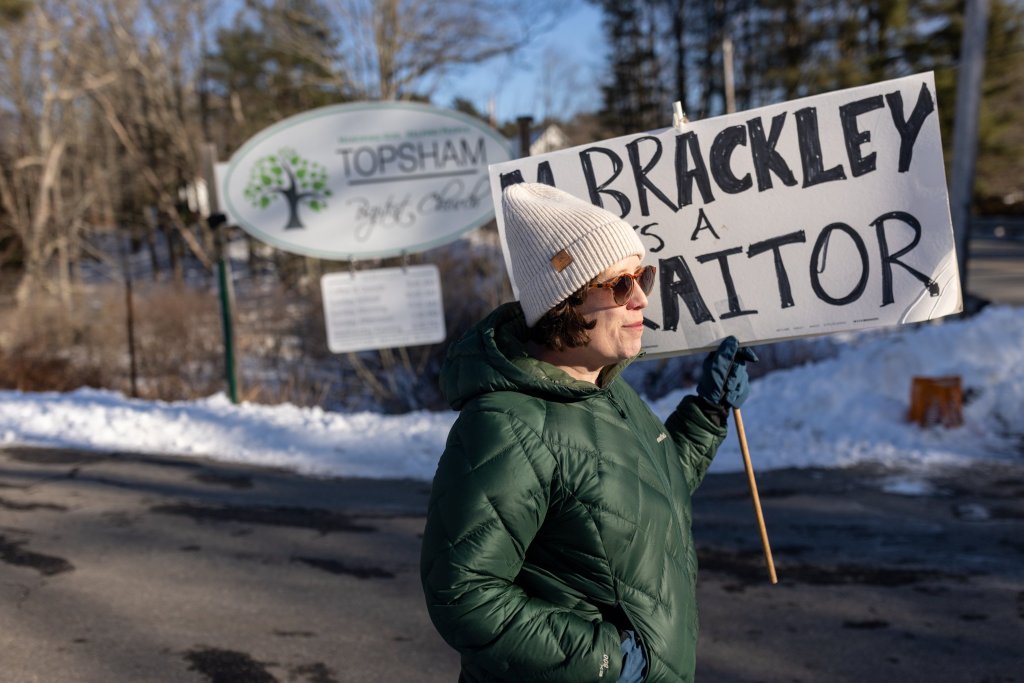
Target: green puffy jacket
[(560, 515)]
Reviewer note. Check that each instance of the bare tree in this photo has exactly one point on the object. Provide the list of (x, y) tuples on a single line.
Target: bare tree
[(76, 76), (152, 48), (398, 49), (565, 86), (44, 85)]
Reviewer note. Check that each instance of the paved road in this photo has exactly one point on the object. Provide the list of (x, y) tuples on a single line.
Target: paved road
[(119, 567), (874, 586), (995, 270)]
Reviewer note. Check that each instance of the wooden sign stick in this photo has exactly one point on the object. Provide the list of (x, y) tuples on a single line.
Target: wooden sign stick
[(753, 494)]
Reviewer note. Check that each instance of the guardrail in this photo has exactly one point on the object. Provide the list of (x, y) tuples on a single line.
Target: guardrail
[(1000, 227)]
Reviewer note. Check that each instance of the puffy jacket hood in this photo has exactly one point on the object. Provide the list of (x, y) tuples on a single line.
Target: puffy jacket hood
[(492, 356)]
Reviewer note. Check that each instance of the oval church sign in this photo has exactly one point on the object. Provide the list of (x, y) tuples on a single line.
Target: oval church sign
[(365, 180)]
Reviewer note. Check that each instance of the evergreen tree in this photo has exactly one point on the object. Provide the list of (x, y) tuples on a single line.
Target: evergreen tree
[(634, 98), (278, 59)]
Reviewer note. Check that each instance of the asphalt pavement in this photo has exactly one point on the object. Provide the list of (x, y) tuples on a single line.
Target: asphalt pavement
[(995, 270), (124, 567), (120, 567)]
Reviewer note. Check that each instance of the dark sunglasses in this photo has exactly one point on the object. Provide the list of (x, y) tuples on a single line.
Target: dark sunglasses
[(622, 286)]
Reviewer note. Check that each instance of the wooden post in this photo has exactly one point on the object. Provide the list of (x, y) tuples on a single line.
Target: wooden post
[(729, 75), (129, 311), (753, 494)]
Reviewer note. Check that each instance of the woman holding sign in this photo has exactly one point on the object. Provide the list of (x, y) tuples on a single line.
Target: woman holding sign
[(557, 544)]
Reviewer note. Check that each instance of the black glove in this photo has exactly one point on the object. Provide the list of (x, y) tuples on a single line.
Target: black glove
[(724, 378)]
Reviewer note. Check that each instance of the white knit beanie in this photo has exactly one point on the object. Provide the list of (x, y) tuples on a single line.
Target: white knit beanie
[(557, 243)]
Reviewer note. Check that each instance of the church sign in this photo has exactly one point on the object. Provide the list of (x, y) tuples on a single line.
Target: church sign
[(364, 180)]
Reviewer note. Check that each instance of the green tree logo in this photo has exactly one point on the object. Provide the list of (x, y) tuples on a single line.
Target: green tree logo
[(288, 175)]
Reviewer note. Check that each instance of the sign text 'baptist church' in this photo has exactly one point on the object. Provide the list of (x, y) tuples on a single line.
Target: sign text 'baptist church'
[(364, 180)]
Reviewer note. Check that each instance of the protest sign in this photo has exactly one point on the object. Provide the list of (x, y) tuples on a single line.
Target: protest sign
[(814, 216)]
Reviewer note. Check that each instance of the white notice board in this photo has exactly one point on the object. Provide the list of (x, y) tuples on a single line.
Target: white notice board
[(383, 308)]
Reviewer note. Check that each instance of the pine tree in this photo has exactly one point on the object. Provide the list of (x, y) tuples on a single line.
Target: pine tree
[(634, 97), (279, 59)]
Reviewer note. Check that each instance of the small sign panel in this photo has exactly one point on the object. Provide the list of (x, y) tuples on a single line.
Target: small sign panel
[(383, 308)]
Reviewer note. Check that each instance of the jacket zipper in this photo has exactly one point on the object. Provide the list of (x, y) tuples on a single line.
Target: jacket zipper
[(664, 480), (641, 638), (615, 402)]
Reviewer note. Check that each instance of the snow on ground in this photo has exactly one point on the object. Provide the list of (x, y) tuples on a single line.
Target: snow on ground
[(833, 413)]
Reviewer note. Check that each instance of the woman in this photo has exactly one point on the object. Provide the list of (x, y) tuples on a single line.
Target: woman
[(557, 544)]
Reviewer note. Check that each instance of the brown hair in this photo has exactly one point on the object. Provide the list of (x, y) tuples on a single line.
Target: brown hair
[(562, 326)]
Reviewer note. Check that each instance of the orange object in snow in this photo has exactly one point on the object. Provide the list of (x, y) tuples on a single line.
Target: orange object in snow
[(936, 401)]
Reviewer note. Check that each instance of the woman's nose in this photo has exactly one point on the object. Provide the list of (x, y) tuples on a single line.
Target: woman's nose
[(637, 298)]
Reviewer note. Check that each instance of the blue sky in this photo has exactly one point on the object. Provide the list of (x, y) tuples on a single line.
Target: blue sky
[(558, 73), (532, 82)]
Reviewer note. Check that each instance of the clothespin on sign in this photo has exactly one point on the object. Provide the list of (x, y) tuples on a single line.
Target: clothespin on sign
[(679, 119)]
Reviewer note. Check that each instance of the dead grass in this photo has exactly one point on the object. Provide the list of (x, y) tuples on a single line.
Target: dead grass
[(280, 340), (25, 370), (49, 346)]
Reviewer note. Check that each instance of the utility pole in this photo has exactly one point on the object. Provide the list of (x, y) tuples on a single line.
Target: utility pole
[(965, 129), (524, 123), (729, 75)]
